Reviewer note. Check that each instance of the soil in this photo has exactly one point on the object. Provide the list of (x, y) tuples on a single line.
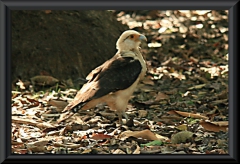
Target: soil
[(62, 44)]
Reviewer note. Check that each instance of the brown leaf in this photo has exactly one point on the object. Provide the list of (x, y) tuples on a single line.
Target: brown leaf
[(170, 119), (145, 134), (165, 121), (194, 60), (23, 121), (32, 100), (223, 94), (142, 113), (70, 145), (97, 136), (221, 123), (65, 130), (145, 88), (36, 104), (161, 96), (38, 146), (201, 79), (39, 143), (44, 80), (58, 103), (16, 143), (118, 151), (215, 86), (186, 114), (171, 92), (200, 86), (20, 151), (23, 101), (170, 63), (30, 122), (47, 11), (107, 114), (45, 125), (222, 101), (215, 127), (147, 80)]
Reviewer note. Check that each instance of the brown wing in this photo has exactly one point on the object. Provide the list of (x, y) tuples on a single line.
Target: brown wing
[(118, 73)]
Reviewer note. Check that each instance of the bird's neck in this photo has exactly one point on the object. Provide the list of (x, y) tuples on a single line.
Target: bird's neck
[(133, 50), (137, 55)]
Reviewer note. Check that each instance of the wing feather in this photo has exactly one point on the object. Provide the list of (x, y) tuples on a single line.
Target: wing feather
[(118, 73)]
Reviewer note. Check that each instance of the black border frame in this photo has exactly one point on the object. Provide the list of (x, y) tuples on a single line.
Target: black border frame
[(5, 88)]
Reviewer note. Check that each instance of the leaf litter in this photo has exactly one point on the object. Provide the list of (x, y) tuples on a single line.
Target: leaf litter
[(181, 107)]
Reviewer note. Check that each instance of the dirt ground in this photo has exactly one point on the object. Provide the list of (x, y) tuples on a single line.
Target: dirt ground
[(181, 106), (62, 44)]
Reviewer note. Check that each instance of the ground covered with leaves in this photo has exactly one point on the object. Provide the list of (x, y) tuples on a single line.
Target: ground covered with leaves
[(181, 107)]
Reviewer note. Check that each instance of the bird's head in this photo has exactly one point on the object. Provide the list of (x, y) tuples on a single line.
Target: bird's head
[(130, 40)]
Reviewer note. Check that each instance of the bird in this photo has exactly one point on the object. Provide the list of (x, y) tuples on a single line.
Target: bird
[(113, 82)]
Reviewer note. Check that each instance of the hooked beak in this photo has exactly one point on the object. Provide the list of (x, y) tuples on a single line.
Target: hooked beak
[(142, 37)]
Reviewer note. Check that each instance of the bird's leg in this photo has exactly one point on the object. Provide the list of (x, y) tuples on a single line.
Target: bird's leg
[(125, 115), (120, 117), (120, 114)]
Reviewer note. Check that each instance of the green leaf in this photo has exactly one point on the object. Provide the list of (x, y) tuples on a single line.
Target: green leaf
[(153, 143)]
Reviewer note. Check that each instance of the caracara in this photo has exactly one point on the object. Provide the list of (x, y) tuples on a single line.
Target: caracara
[(114, 81)]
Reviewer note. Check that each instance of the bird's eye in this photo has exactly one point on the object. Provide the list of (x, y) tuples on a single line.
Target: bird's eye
[(131, 36)]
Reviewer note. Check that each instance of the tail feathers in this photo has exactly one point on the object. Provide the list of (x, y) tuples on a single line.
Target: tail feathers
[(65, 116), (76, 108), (69, 111), (73, 108)]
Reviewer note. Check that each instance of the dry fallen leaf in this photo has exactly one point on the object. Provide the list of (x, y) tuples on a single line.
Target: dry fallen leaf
[(99, 136), (145, 134), (148, 81), (186, 114), (16, 143), (69, 145), (47, 11), (41, 142), (223, 94), (87, 151), (194, 59), (118, 151), (31, 122), (58, 103), (38, 146), (220, 123), (142, 113), (200, 86), (44, 80), (82, 133), (161, 96), (20, 151), (171, 92), (215, 127)]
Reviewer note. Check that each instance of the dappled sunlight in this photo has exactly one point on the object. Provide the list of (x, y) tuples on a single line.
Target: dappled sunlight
[(179, 107)]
